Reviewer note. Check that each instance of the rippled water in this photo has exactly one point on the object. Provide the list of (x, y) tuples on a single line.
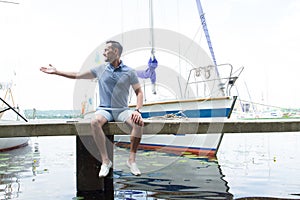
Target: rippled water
[(265, 165), (41, 170)]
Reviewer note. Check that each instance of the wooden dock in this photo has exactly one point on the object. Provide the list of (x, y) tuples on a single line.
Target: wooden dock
[(65, 128), (88, 165)]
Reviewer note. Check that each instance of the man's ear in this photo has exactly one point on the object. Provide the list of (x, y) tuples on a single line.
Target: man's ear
[(116, 50)]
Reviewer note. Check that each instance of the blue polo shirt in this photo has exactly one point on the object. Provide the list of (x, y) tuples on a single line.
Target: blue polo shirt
[(114, 84)]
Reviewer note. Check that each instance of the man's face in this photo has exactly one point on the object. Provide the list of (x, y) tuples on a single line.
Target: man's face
[(110, 53)]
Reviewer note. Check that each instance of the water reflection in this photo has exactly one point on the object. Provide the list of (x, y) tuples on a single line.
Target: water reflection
[(15, 165), (46, 170), (186, 177), (165, 176)]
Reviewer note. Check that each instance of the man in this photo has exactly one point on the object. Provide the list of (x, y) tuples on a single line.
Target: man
[(114, 79)]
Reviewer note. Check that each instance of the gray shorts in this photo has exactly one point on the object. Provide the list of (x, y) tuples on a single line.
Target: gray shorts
[(115, 115)]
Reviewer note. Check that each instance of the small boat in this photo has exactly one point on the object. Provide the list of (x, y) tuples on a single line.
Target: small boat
[(10, 113), (7, 144), (199, 91), (216, 102)]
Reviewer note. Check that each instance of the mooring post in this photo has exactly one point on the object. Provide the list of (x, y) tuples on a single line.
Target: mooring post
[(88, 167)]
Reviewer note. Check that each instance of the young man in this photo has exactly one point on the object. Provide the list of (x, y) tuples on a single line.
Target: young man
[(114, 79)]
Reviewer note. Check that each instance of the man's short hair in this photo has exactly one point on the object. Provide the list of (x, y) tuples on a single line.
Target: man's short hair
[(117, 45)]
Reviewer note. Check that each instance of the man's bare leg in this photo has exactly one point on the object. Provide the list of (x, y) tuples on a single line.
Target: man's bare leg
[(135, 139), (99, 136), (134, 143)]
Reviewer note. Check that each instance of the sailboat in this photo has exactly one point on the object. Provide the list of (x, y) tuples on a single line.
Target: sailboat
[(8, 109), (172, 94), (9, 112)]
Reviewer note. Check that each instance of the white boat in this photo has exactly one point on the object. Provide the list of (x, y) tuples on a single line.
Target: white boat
[(7, 144), (200, 92), (9, 113)]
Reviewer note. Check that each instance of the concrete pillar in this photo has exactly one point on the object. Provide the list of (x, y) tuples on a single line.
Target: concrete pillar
[(88, 167)]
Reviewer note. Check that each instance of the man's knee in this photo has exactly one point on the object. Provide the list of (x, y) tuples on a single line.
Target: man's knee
[(137, 130), (98, 122)]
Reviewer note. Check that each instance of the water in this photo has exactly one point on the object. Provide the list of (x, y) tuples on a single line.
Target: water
[(262, 164), (43, 170), (248, 165)]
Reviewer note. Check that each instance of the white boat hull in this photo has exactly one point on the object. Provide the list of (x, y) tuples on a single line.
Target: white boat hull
[(196, 108), (7, 144), (204, 145), (203, 109), (13, 143)]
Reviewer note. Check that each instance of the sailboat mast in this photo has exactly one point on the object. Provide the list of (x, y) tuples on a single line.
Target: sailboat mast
[(203, 22), (151, 27)]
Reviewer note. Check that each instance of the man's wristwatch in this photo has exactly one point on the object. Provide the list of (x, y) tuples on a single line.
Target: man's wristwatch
[(138, 110)]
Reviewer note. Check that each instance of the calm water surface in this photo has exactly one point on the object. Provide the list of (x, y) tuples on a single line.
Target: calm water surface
[(265, 165), (262, 164)]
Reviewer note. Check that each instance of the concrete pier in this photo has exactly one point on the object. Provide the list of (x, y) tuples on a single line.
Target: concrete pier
[(88, 165), (64, 128)]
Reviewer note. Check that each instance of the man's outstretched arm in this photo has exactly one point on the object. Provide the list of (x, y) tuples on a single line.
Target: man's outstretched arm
[(71, 75)]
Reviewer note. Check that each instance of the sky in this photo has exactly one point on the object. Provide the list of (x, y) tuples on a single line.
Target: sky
[(260, 35)]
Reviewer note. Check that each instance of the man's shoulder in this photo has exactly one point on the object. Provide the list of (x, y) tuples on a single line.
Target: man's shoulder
[(104, 65), (100, 67), (98, 70), (127, 68)]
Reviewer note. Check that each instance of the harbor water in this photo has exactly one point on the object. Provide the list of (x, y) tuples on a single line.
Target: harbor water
[(247, 165)]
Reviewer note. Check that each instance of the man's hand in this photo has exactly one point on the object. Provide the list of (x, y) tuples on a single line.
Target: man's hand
[(48, 70), (136, 117)]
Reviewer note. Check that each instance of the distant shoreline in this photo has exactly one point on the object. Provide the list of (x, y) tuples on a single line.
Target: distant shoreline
[(52, 114)]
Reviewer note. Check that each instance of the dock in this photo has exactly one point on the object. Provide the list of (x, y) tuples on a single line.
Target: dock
[(87, 164), (183, 126)]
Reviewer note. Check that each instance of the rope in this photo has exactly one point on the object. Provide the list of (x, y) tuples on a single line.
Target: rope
[(170, 116), (167, 116), (261, 104)]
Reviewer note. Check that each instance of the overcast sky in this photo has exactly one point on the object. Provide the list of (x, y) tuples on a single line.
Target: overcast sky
[(261, 35)]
